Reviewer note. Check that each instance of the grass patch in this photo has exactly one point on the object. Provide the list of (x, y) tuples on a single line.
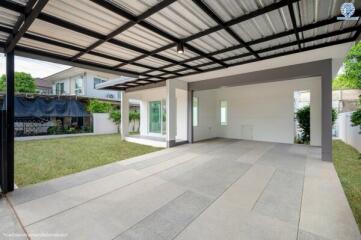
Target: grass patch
[(41, 160), (347, 162)]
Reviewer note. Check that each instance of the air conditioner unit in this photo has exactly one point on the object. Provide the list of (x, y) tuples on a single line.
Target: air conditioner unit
[(109, 95)]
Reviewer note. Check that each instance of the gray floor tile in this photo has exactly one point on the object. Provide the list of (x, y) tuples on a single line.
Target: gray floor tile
[(171, 219), (210, 178), (303, 235), (32, 192), (282, 197)]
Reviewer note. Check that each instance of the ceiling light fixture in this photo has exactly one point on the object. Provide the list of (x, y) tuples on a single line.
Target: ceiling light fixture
[(180, 48)]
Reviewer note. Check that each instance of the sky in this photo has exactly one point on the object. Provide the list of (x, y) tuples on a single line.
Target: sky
[(37, 68)]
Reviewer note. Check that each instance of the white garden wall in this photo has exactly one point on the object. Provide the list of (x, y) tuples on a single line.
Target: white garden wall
[(262, 112), (347, 133), (103, 125)]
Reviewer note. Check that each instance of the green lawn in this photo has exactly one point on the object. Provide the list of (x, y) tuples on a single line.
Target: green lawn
[(348, 166), (40, 160)]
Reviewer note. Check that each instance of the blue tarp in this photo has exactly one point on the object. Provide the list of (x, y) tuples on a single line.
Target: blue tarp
[(40, 107)]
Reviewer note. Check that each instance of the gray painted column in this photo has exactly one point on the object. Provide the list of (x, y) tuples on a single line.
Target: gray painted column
[(124, 110), (326, 100), (190, 116), (171, 114)]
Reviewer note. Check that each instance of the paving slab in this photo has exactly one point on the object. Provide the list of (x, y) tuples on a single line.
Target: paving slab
[(168, 221), (282, 197), (41, 208), (109, 216), (218, 189), (10, 227), (325, 211)]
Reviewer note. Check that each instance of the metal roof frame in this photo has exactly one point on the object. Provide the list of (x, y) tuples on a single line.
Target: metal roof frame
[(34, 10)]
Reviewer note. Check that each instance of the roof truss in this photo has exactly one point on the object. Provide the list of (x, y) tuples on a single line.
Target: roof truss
[(173, 68)]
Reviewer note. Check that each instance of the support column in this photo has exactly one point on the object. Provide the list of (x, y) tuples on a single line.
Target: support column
[(124, 110), (326, 95), (8, 154), (190, 116), (171, 114)]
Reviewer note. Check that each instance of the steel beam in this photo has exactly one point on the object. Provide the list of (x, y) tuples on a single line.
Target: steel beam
[(34, 10)]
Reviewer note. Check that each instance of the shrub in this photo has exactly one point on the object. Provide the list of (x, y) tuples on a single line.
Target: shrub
[(303, 119), (96, 106), (356, 117)]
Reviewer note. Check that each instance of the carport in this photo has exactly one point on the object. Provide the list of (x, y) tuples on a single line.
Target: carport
[(200, 45), (240, 185)]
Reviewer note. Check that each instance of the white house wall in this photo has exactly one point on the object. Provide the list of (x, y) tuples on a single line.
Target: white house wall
[(182, 109), (207, 115), (144, 97), (262, 112), (90, 91)]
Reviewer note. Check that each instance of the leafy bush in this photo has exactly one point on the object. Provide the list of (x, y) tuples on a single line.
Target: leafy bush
[(96, 106), (356, 117), (303, 119)]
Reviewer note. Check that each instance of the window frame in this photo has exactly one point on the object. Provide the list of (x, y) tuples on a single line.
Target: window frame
[(224, 122), (195, 111), (99, 79)]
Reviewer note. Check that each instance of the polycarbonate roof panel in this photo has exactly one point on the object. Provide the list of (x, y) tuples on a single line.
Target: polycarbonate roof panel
[(230, 9), (135, 7), (240, 60), (143, 38), (287, 49), (276, 42), (182, 19), (134, 68), (215, 41), (187, 71), (197, 62), (61, 34), (21, 2), (155, 73), (261, 26), (232, 53), (174, 68), (155, 62), (116, 51), (96, 59), (86, 14), (7, 17), (46, 47), (3, 36)]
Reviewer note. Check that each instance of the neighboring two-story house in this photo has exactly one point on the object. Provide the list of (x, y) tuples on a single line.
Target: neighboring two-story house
[(78, 81)]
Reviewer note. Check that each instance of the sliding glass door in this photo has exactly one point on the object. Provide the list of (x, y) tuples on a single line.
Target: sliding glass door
[(155, 117)]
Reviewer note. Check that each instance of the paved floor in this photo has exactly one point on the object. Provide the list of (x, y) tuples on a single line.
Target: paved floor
[(219, 189)]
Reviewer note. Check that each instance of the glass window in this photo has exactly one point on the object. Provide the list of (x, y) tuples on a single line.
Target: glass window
[(59, 88), (224, 111), (195, 111), (78, 86), (97, 81), (155, 120)]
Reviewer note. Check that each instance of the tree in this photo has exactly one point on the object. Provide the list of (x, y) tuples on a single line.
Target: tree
[(351, 78), (24, 83), (303, 119)]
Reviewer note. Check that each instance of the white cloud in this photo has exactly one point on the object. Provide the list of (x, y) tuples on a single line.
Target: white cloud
[(36, 68)]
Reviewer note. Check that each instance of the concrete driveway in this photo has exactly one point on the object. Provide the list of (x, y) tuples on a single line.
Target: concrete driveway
[(219, 189)]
